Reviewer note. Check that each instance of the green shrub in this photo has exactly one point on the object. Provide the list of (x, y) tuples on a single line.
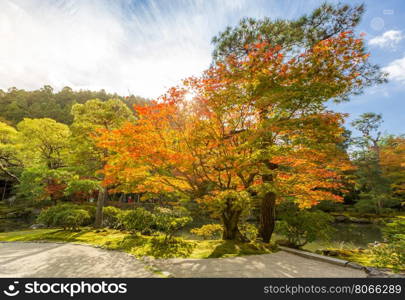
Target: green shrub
[(67, 216), (111, 217), (91, 209), (169, 221), (71, 218), (390, 255), (381, 204), (303, 226), (47, 216), (392, 252), (249, 230), (138, 219), (208, 231), (330, 206)]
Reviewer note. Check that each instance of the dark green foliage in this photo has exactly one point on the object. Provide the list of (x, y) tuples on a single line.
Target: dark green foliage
[(326, 21), (329, 206), (375, 192), (302, 226), (169, 221), (66, 216), (16, 104), (111, 216), (71, 218), (138, 219), (293, 36), (91, 209)]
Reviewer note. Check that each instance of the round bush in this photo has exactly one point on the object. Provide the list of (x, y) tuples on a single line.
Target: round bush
[(138, 219), (111, 216), (47, 216), (71, 218), (67, 216), (169, 221), (208, 231)]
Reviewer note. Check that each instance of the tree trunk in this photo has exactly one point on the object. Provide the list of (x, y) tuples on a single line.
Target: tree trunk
[(230, 219), (102, 194), (267, 216), (268, 210), (268, 203)]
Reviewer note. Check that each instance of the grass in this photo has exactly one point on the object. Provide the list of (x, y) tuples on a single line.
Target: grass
[(140, 245)]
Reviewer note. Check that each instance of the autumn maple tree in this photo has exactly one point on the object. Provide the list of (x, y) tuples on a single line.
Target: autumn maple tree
[(251, 129)]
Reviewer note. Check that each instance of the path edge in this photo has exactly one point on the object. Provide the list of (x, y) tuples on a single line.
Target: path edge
[(331, 260)]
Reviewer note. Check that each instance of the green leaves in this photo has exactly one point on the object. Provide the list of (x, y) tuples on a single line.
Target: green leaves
[(303, 226), (45, 141), (90, 119)]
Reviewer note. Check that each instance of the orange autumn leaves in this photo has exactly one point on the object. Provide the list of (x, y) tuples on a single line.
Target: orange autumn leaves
[(266, 107)]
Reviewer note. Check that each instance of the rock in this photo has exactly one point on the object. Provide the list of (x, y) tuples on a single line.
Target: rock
[(354, 266), (401, 275), (11, 215), (360, 221), (37, 226), (341, 218), (285, 243), (330, 252), (381, 273), (376, 273), (10, 200), (374, 244)]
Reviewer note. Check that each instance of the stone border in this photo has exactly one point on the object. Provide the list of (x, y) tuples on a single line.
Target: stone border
[(370, 271), (331, 260)]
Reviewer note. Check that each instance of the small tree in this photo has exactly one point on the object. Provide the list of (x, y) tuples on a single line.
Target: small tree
[(303, 226), (88, 158), (169, 221), (372, 178)]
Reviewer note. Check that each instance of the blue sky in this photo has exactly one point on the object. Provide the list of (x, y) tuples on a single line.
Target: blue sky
[(144, 47)]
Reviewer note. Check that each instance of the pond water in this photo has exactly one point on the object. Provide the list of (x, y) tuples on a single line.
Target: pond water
[(349, 235)]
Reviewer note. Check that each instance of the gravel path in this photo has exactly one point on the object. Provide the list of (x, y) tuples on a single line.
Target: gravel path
[(70, 260), (279, 264), (67, 260)]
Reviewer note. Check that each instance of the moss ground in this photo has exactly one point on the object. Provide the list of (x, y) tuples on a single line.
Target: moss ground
[(140, 245)]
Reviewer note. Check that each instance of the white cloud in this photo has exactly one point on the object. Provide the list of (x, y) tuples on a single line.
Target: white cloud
[(396, 70), (388, 39), (142, 47)]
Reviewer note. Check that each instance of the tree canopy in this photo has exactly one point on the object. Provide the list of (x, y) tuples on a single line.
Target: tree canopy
[(17, 104)]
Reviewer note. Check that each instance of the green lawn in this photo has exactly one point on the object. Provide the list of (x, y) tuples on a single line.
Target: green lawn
[(141, 245)]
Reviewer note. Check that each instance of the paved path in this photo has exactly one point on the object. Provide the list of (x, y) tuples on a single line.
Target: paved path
[(66, 260), (279, 264), (70, 260)]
